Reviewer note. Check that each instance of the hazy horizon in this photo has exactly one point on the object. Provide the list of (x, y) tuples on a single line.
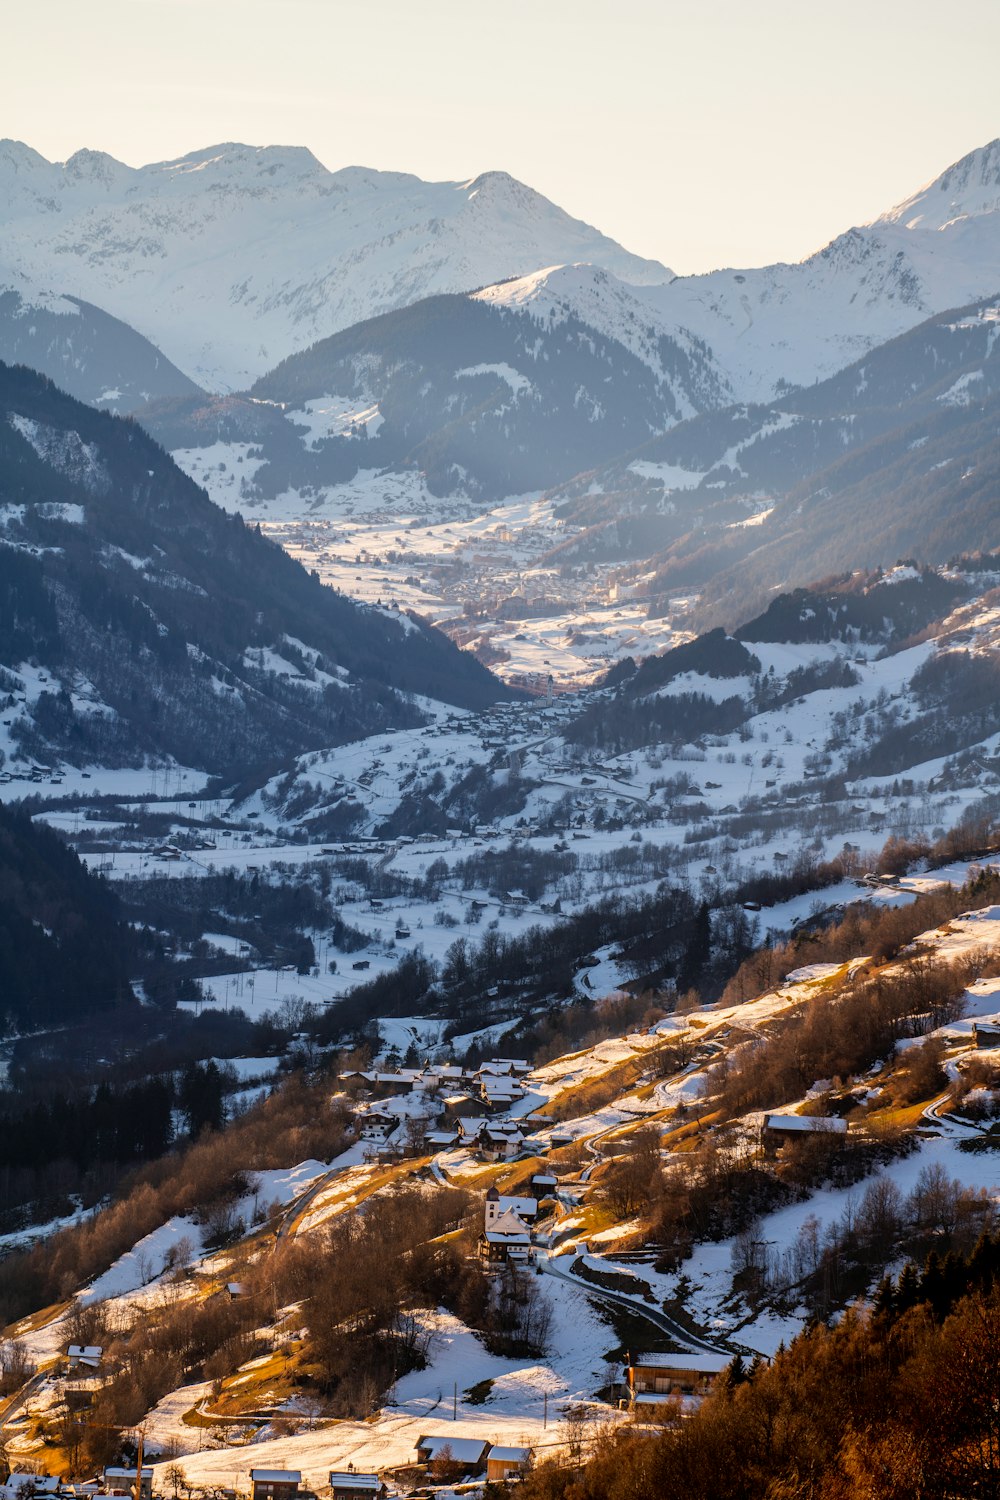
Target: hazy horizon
[(740, 137)]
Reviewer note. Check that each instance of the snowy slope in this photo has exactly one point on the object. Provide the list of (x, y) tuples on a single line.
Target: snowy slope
[(792, 324), (782, 325), (197, 255)]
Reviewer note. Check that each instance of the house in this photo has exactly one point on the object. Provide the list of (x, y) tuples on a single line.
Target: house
[(346, 1484), (502, 1463), (544, 1186), (440, 1140), (653, 1376), (87, 1356), (499, 1093), (119, 1481), (986, 1034), (469, 1454), (235, 1290), (275, 1484), (780, 1128), (499, 1145), (377, 1125), (505, 1238)]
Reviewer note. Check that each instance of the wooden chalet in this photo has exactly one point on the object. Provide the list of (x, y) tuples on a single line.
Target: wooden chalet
[(652, 1377), (468, 1454), (505, 1238), (986, 1034), (275, 1484), (348, 1484), (778, 1129)]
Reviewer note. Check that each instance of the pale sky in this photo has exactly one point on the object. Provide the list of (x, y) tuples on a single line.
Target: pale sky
[(699, 132)]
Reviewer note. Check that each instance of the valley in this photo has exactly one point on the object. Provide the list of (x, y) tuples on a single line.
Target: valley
[(499, 843)]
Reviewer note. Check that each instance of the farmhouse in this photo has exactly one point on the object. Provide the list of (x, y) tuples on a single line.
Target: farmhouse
[(653, 1376), (346, 1484), (780, 1128), (87, 1356), (275, 1484), (468, 1454), (119, 1481), (986, 1033)]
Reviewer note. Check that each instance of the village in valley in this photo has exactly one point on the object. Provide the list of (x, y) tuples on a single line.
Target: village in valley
[(558, 1172)]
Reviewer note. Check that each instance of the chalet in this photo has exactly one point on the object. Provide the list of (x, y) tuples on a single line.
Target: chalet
[(444, 1073), (347, 1484), (560, 1138), (470, 1127), (505, 1238), (500, 1093), (84, 1356), (781, 1128), (543, 1186), (377, 1125), (468, 1454), (986, 1034), (235, 1290), (275, 1484), (441, 1140), (653, 1376), (499, 1145), (122, 1482), (504, 1463)]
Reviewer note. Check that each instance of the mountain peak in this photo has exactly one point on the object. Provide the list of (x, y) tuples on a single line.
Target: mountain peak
[(967, 189), (231, 159)]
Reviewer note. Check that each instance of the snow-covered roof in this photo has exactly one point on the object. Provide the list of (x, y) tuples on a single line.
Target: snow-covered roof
[(704, 1362), (276, 1476), (117, 1473), (520, 1206), (509, 1455), (821, 1123), (540, 1179), (463, 1450), (347, 1477)]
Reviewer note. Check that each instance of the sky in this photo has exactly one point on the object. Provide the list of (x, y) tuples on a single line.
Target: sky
[(698, 132)]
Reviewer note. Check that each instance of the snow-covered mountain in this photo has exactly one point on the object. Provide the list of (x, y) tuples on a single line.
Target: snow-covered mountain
[(488, 395), (136, 618), (789, 325), (95, 357), (233, 257), (793, 324)]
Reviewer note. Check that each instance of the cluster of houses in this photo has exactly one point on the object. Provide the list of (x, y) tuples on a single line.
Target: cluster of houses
[(497, 1084), (451, 1457), (113, 1481), (454, 1108)]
